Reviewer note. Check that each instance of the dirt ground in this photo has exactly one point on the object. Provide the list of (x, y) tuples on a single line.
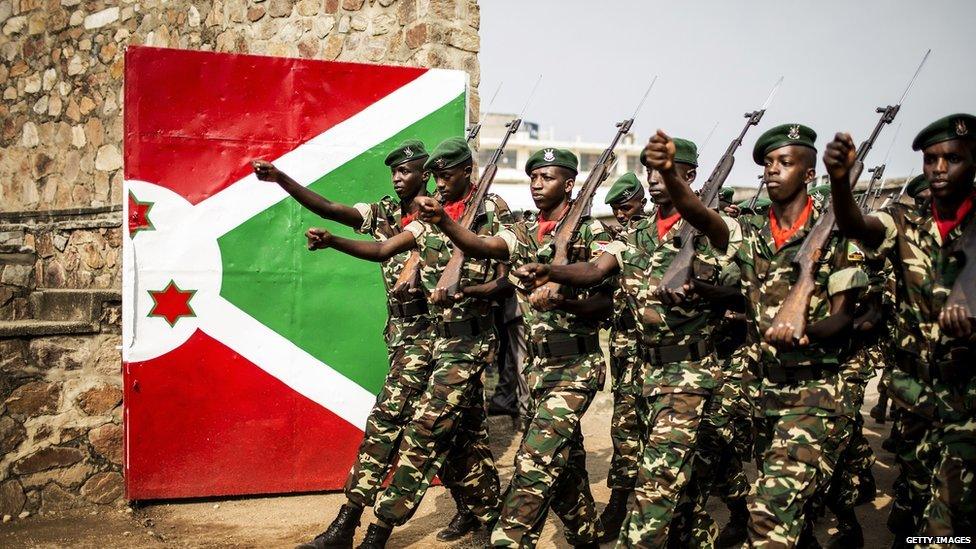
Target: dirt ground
[(284, 521)]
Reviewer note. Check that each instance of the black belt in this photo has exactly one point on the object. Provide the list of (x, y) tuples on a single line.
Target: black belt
[(624, 322), (416, 307), (563, 345), (957, 369), (666, 354), (791, 375), (461, 328)]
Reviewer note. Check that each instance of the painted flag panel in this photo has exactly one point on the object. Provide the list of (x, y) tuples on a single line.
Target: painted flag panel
[(250, 364)]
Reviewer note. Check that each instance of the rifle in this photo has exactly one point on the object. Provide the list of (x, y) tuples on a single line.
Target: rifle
[(797, 302), (451, 275), (877, 173), (964, 289), (474, 129), (901, 193), (565, 232), (409, 280), (679, 272)]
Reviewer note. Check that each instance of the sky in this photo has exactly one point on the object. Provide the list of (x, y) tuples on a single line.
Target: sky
[(717, 59)]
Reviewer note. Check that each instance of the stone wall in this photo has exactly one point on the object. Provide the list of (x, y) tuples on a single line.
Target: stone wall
[(61, 66)]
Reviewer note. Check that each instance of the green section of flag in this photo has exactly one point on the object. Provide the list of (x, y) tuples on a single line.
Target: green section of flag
[(330, 305)]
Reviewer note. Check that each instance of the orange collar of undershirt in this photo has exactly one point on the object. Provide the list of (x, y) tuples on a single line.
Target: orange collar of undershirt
[(546, 226), (664, 224), (455, 209), (782, 236), (946, 225)]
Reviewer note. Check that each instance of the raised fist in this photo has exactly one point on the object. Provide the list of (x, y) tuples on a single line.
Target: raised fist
[(318, 239), (839, 156), (266, 171), (430, 210), (659, 152)]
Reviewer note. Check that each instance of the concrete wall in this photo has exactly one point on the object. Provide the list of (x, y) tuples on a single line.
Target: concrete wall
[(61, 64)]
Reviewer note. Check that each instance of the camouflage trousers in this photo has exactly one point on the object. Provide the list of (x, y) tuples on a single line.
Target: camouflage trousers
[(667, 466), (450, 423), (409, 365), (942, 480), (798, 460), (856, 458), (625, 425), (734, 436), (911, 487), (550, 470)]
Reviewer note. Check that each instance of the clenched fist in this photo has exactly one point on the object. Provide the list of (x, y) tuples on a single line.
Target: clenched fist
[(318, 239), (839, 156), (659, 152)]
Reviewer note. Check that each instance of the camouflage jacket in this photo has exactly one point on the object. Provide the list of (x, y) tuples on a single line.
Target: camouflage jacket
[(381, 220), (624, 334), (436, 248), (767, 276), (585, 372), (643, 258), (925, 268)]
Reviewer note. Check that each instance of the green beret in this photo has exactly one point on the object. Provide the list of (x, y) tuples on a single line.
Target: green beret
[(552, 157), (763, 204), (917, 185), (685, 151), (726, 194), (411, 149), (626, 186), (449, 153), (782, 136), (954, 126), (820, 191)]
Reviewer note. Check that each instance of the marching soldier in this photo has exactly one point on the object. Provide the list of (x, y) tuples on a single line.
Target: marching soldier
[(800, 398), (407, 331), (679, 372), (627, 200), (932, 380), (567, 365), (450, 415)]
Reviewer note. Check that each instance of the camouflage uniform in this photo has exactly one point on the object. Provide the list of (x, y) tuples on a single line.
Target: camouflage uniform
[(625, 366), (408, 342), (933, 375), (801, 401), (679, 374), (550, 466), (450, 416)]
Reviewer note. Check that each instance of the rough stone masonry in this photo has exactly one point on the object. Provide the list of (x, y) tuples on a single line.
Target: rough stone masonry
[(61, 66)]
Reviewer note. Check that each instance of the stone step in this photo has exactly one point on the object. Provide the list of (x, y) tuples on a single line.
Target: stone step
[(71, 304), (30, 328)]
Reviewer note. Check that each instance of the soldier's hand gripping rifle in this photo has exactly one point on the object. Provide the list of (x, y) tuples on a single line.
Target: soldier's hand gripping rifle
[(408, 282), (679, 272), (450, 280), (566, 232), (964, 289), (793, 312)]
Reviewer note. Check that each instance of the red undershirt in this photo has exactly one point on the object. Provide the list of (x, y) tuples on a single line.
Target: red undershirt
[(664, 224), (782, 236), (455, 209), (546, 226), (946, 225)]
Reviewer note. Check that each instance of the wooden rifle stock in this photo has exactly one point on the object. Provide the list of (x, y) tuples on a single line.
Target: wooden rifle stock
[(794, 308), (964, 289), (679, 272)]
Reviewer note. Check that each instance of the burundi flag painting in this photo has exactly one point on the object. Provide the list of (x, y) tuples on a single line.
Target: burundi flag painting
[(250, 364)]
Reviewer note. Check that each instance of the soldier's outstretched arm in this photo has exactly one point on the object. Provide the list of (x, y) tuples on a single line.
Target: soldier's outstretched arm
[(478, 247), (311, 201), (369, 250), (659, 155), (839, 157), (584, 274)]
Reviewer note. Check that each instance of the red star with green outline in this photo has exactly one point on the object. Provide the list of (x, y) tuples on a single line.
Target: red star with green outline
[(139, 216), (171, 303)]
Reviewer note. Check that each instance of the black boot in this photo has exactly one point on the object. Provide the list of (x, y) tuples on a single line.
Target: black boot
[(849, 535), (590, 545), (808, 539), (340, 533), (376, 537), (614, 514), (736, 531), (867, 489), (463, 523)]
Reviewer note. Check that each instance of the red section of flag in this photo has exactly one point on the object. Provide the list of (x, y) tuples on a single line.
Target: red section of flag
[(195, 120), (202, 419)]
